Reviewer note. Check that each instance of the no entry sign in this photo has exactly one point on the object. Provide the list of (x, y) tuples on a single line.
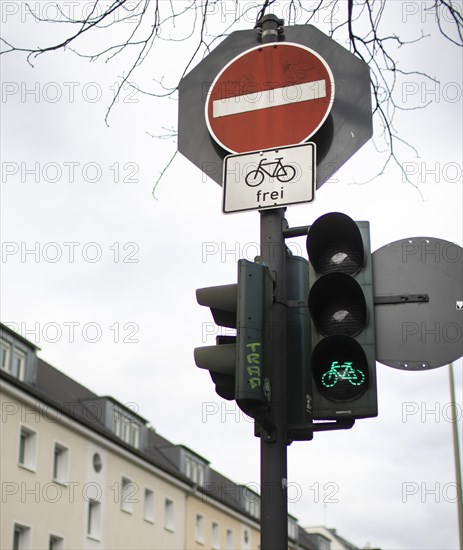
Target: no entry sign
[(269, 96)]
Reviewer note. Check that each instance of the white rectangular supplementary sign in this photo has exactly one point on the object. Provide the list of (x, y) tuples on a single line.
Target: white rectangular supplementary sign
[(269, 98), (269, 179)]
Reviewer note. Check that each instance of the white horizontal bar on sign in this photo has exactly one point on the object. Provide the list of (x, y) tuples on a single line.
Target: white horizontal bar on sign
[(265, 99)]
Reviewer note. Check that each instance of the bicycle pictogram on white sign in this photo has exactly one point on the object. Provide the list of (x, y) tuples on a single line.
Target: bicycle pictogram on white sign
[(282, 172)]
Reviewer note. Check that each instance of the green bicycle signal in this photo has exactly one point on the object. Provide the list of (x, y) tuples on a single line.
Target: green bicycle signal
[(347, 378), (342, 372)]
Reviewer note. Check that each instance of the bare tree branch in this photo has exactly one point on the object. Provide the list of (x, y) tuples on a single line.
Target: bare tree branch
[(359, 26)]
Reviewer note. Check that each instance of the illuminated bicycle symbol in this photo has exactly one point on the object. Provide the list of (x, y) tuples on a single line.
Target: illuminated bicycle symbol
[(342, 372), (282, 172)]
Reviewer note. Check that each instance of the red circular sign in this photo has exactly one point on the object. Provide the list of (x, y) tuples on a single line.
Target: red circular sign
[(270, 96)]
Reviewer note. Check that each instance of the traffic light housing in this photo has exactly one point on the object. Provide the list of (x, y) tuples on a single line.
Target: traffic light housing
[(237, 363), (340, 302), (298, 342)]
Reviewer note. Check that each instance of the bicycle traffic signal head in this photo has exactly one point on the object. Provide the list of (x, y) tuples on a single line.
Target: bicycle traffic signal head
[(341, 308)]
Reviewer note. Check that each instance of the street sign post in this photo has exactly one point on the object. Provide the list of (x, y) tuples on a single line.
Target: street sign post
[(269, 179), (272, 95), (244, 98)]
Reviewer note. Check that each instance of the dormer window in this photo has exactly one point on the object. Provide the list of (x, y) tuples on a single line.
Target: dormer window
[(322, 542), (18, 356), (118, 424), (123, 422), (195, 469), (18, 364), (251, 502), (12, 360), (292, 528), (126, 429), (5, 351)]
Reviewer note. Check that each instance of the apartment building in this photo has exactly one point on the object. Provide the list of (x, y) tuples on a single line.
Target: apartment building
[(80, 470)]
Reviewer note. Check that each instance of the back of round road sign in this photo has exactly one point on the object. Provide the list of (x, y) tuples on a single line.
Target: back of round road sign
[(414, 334)]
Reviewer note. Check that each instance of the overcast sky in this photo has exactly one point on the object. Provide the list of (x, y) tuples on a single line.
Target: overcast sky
[(101, 275)]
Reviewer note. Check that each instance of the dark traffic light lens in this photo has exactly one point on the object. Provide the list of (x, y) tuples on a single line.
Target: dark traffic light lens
[(339, 256), (335, 244), (337, 305), (225, 385), (340, 368)]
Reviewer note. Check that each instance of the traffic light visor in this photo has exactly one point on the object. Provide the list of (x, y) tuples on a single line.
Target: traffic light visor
[(222, 302)]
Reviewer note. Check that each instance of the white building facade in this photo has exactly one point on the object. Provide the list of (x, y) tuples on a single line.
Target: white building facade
[(80, 470), (64, 486)]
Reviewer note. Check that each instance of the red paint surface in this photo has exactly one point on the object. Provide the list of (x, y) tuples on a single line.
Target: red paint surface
[(267, 68)]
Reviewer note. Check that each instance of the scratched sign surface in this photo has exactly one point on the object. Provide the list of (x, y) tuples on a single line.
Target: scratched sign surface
[(269, 96)]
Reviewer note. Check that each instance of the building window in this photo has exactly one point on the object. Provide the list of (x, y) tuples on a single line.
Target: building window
[(169, 523), (134, 435), (127, 491), (127, 430), (60, 463), (118, 424), (323, 543), (195, 470), (199, 529), (229, 540), (292, 529), (251, 503), (18, 364), (148, 511), (27, 448), (97, 463), (55, 543), (5, 350), (94, 519), (13, 362), (245, 538), (21, 537), (215, 535)]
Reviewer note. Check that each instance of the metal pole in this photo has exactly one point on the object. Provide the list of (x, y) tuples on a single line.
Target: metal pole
[(456, 451), (274, 502)]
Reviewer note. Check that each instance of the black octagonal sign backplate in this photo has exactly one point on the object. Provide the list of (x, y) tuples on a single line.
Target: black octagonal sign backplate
[(347, 128)]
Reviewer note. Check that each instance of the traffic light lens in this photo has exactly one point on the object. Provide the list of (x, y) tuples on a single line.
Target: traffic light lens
[(334, 244), (339, 257), (225, 385), (337, 305), (340, 368)]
